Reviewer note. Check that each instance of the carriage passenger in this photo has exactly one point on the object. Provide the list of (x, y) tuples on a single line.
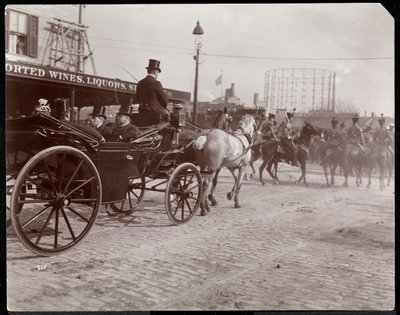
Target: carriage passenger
[(150, 94), (286, 137), (97, 122), (124, 129), (355, 135), (42, 107)]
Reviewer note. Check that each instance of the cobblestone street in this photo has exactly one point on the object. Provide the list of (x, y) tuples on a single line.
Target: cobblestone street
[(289, 247)]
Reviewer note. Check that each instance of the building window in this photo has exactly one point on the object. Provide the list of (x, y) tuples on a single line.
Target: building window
[(21, 33)]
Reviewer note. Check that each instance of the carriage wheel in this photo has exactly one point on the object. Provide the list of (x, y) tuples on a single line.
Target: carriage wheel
[(134, 197), (10, 180), (183, 193), (55, 200)]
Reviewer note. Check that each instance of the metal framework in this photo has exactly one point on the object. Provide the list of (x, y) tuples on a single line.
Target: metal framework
[(301, 88), (68, 47)]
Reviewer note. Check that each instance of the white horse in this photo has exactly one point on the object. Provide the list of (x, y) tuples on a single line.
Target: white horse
[(217, 149)]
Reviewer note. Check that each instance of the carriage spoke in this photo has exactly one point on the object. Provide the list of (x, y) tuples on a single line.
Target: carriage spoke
[(34, 201), (80, 186), (41, 187), (78, 214), (56, 229), (68, 224), (183, 209), (44, 226), (177, 206), (35, 217), (83, 199), (73, 175), (190, 209), (49, 175), (61, 172)]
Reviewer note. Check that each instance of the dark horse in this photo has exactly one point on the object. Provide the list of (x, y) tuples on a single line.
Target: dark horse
[(272, 154)]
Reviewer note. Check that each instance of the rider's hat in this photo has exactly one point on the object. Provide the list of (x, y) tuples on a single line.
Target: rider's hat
[(125, 109), (355, 118), (334, 122), (153, 65), (271, 115), (381, 120), (99, 111), (290, 115)]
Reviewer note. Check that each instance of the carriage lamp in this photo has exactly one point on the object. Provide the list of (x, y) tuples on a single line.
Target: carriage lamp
[(198, 34)]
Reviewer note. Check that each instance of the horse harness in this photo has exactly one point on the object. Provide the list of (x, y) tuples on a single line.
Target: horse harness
[(245, 149)]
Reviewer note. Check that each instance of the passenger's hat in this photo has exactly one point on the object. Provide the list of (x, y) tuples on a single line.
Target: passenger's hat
[(126, 109), (43, 105), (271, 115), (334, 121), (99, 111), (381, 120), (153, 65), (355, 118)]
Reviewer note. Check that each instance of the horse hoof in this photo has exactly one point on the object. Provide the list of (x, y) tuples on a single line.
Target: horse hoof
[(237, 205), (251, 175), (262, 182), (213, 203), (210, 197), (229, 196)]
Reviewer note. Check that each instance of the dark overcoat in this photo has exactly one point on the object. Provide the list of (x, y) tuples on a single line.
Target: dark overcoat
[(151, 96)]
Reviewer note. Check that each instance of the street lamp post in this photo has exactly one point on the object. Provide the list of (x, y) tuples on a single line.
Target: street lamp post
[(197, 32)]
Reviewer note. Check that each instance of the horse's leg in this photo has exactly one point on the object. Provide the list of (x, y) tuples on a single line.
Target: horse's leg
[(326, 173), (214, 185), (231, 194), (382, 176), (238, 184), (369, 176), (206, 186), (303, 165), (270, 163), (261, 169), (276, 171), (333, 171)]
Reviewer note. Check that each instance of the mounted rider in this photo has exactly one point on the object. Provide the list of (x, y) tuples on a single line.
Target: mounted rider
[(267, 128), (355, 134), (333, 139), (368, 137), (383, 136), (286, 137)]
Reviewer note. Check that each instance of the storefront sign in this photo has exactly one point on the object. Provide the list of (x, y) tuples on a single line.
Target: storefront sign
[(83, 80)]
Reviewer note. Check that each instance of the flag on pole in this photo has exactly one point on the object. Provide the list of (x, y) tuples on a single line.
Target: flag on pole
[(218, 81)]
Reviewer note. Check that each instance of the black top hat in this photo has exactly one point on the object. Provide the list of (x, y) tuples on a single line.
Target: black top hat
[(334, 121), (381, 120), (99, 111), (153, 65), (355, 118), (126, 109), (290, 115), (271, 115)]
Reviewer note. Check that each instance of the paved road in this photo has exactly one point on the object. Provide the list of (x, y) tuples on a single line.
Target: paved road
[(289, 247)]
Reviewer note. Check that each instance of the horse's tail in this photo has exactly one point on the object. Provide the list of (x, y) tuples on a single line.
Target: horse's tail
[(199, 143)]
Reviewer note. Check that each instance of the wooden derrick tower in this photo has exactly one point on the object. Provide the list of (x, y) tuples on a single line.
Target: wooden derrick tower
[(68, 47)]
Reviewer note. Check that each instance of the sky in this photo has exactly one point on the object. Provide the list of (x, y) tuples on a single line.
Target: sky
[(244, 41)]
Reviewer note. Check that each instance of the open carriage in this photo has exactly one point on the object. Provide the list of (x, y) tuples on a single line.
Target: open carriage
[(58, 176)]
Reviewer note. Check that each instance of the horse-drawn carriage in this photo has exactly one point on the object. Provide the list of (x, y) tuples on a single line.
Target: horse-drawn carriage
[(58, 176)]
